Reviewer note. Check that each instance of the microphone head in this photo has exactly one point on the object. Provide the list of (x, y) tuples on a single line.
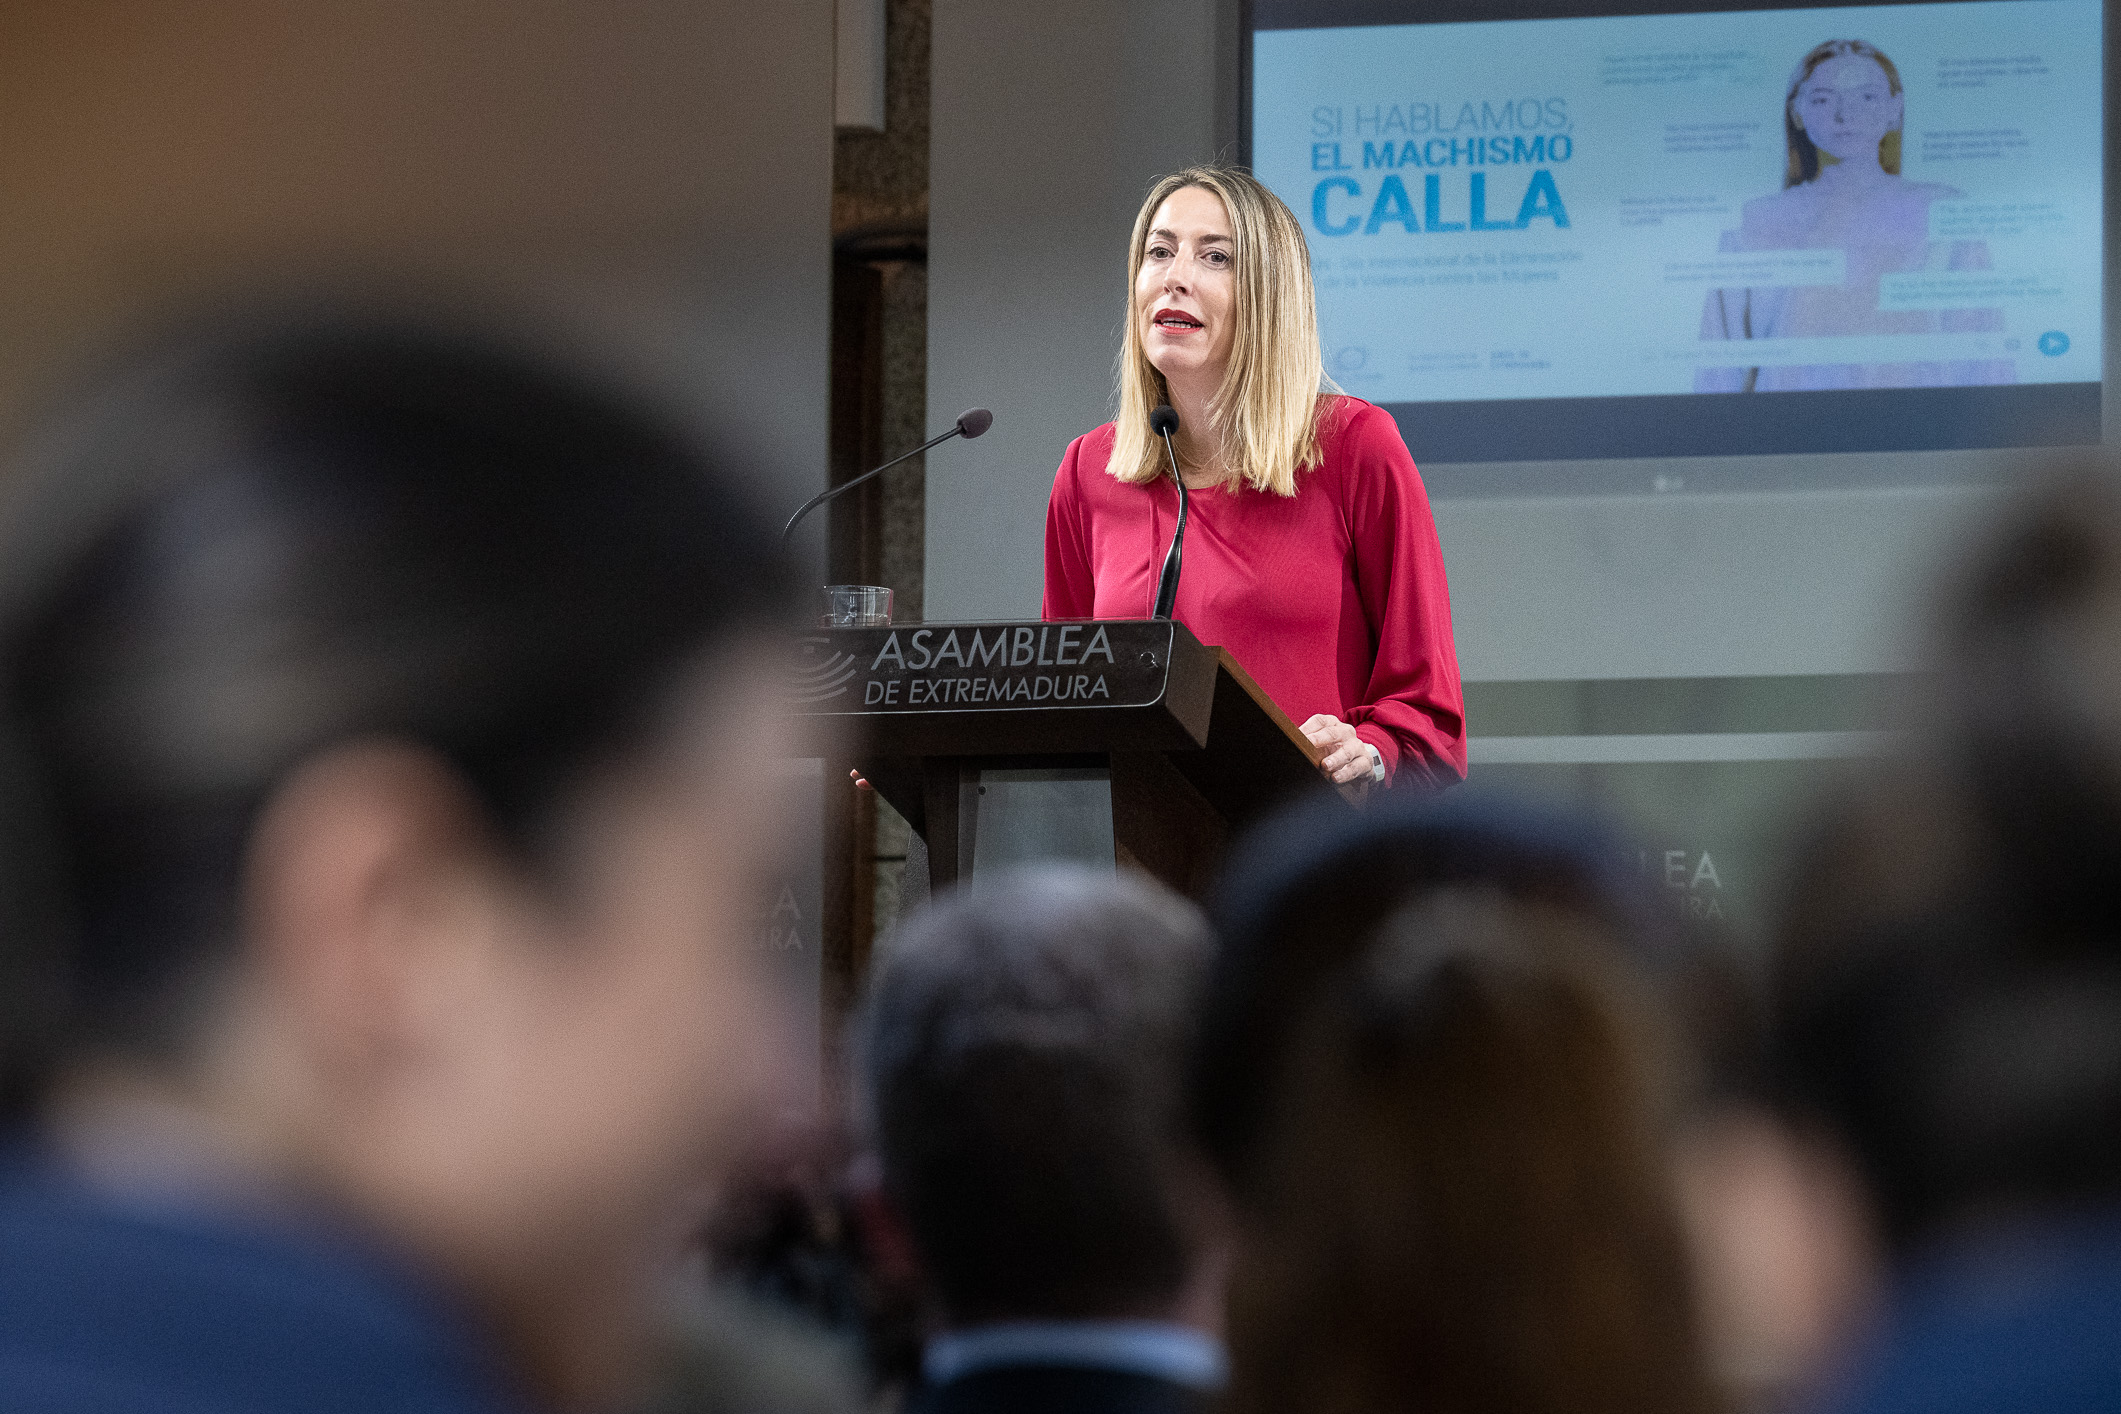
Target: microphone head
[(1163, 420), (973, 421)]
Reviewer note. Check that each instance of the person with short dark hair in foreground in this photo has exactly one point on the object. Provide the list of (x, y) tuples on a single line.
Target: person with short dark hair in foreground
[(1021, 1060), (387, 724)]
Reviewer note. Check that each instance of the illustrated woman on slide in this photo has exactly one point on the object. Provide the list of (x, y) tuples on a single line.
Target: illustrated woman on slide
[(1843, 191)]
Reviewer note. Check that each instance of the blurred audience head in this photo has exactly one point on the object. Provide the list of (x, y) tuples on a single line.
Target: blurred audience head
[(1304, 893), (1944, 1073), (1951, 973), (1021, 1057), (1458, 1198), (388, 731), (2027, 715)]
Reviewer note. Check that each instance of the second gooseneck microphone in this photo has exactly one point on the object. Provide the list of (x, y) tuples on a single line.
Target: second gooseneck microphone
[(970, 423), (1163, 421)]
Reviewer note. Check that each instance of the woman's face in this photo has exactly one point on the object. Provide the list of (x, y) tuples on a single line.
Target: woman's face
[(1846, 106), (1185, 297)]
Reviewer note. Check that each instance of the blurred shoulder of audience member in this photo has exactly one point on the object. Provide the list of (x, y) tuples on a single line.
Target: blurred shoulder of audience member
[(1021, 1056), (1460, 1196), (388, 722)]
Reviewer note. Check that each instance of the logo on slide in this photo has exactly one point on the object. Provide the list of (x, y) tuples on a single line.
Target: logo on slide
[(2054, 343)]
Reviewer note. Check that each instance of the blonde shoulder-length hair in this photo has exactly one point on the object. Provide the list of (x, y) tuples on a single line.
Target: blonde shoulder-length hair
[(1267, 410)]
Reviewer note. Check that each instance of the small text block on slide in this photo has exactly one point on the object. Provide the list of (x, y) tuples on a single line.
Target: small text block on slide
[(1832, 348), (1996, 220), (1760, 269), (1967, 289)]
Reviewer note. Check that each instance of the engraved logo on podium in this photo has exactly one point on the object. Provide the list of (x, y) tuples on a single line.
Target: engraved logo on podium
[(821, 672)]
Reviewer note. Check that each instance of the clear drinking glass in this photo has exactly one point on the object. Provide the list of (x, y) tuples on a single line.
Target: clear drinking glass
[(856, 606)]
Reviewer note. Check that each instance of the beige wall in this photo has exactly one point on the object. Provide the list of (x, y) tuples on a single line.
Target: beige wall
[(658, 170)]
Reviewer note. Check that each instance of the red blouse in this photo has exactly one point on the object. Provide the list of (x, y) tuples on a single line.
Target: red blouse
[(1334, 599)]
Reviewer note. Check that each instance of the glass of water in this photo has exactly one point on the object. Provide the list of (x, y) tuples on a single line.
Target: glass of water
[(856, 606)]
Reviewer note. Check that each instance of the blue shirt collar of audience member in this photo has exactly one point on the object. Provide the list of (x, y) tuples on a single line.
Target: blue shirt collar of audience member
[(1159, 1349)]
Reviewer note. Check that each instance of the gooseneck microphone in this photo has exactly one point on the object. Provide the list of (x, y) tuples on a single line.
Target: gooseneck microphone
[(970, 423), (1163, 421)]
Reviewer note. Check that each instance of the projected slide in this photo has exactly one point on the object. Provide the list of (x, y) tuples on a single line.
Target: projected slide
[(1897, 205)]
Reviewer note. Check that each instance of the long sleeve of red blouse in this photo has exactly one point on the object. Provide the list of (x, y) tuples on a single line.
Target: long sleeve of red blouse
[(1413, 695), (1071, 576), (1334, 599)]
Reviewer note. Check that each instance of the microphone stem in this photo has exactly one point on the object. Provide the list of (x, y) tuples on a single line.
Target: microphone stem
[(829, 492), (1167, 582)]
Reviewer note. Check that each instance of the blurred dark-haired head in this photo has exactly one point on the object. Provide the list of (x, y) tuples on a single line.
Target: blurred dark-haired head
[(1950, 968), (1022, 1056), (1306, 890), (2028, 707), (1459, 1197), (249, 548), (388, 731)]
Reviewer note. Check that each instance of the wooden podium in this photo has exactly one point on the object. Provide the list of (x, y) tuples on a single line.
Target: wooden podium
[(1193, 748)]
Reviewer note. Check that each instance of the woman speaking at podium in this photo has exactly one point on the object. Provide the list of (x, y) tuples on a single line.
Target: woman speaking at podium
[(1310, 552)]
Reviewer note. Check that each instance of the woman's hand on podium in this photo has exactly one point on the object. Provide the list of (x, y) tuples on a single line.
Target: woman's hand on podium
[(1347, 762), (861, 782)]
